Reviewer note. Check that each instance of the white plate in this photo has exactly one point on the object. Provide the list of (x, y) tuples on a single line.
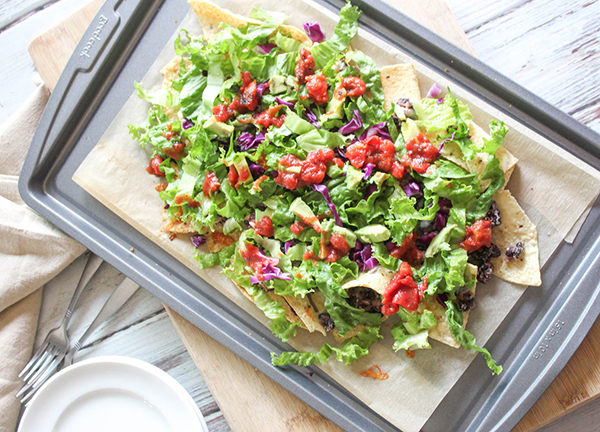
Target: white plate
[(115, 394)]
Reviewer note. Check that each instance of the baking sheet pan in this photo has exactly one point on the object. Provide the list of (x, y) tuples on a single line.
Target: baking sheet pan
[(96, 85)]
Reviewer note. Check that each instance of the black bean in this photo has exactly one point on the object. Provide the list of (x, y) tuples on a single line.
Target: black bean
[(514, 252), (466, 301), (484, 272), (326, 321), (493, 215)]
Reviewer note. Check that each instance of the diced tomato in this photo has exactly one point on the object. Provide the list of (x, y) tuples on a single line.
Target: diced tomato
[(419, 153), (210, 184), (478, 235), (312, 169), (222, 112), (264, 227), (269, 117), (297, 227), (397, 170), (350, 86), (154, 166), (175, 151), (305, 66), (244, 175), (373, 150), (246, 100), (339, 162), (403, 291), (317, 88)]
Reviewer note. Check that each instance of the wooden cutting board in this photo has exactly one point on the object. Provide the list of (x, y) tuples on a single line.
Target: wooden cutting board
[(239, 388)]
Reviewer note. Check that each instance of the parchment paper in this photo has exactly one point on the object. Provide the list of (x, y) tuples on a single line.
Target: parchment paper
[(554, 188)]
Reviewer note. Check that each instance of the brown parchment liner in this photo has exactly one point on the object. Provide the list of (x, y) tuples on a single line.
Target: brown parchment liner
[(554, 188)]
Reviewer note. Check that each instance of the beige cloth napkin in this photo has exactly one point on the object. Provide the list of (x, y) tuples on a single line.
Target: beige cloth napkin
[(32, 251)]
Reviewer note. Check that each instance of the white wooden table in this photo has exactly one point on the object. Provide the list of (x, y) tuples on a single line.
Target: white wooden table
[(551, 47)]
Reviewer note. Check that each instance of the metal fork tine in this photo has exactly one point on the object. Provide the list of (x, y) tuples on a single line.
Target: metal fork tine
[(23, 390), (34, 358), (40, 363), (51, 354), (34, 386)]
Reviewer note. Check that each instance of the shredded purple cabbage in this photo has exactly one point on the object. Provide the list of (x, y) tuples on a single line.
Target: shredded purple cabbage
[(370, 189), (379, 129), (412, 189), (354, 124), (390, 245), (167, 206), (256, 170), (186, 123), (435, 91), (197, 240), (282, 102), (273, 173), (267, 47), (246, 141), (442, 299), (426, 238), (362, 256), (270, 272), (261, 88), (341, 153), (368, 170), (440, 100), (314, 32), (312, 118), (444, 141), (288, 244), (322, 189), (441, 217)]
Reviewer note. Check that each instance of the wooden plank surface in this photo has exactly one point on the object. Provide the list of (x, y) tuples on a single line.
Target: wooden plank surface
[(577, 384)]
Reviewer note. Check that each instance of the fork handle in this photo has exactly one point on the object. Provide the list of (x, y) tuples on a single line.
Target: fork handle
[(90, 269)]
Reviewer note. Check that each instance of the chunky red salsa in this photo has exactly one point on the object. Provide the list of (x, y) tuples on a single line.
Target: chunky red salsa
[(222, 112), (350, 86), (175, 151), (377, 151), (478, 235), (294, 172), (419, 154), (237, 178), (264, 227), (256, 260), (305, 66), (317, 88), (403, 291), (269, 117), (154, 166), (210, 184), (407, 251), (247, 99)]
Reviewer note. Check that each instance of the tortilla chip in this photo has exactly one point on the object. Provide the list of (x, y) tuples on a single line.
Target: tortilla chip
[(376, 279), (516, 227), (399, 81), (211, 16), (290, 315), (307, 313)]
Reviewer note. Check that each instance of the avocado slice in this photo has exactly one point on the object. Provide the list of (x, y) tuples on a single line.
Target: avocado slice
[(239, 161), (335, 109), (409, 130), (353, 177), (220, 128), (277, 84), (303, 211), (373, 233)]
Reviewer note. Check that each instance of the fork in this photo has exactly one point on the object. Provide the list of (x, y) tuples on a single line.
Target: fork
[(53, 349)]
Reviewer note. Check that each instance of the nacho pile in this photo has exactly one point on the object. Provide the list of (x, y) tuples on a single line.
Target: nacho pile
[(332, 194)]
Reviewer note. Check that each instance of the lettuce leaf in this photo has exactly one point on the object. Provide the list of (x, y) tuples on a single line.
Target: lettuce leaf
[(354, 349), (466, 339), (478, 208), (345, 30), (406, 341)]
